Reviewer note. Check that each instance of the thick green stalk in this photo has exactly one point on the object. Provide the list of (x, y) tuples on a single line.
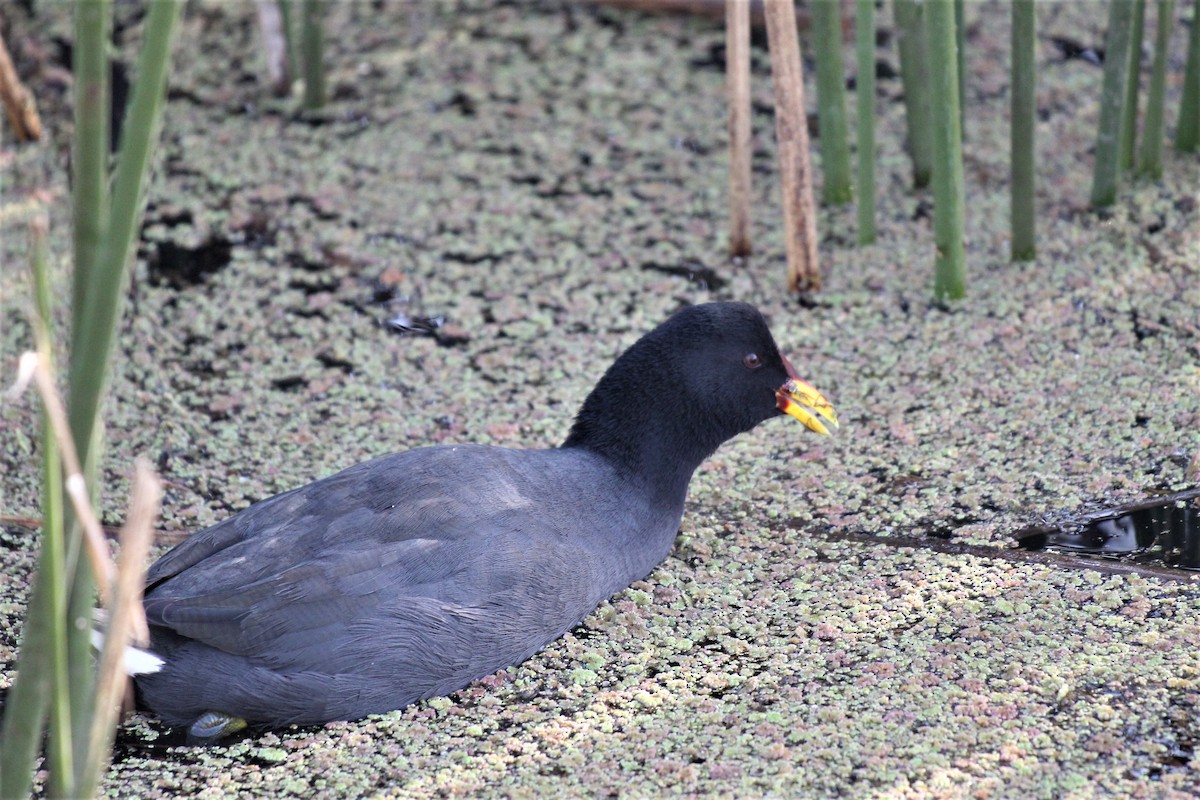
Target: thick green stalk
[(1024, 126), (914, 74), (1187, 133), (864, 48), (1132, 86), (831, 102), (92, 219), (142, 126), (1152, 136), (92, 350), (948, 213), (89, 157), (81, 673), (90, 360), (313, 44), (89, 368), (1108, 136)]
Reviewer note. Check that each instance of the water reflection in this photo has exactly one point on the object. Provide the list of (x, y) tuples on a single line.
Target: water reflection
[(1166, 532)]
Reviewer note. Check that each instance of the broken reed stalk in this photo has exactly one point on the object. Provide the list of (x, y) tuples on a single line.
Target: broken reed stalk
[(914, 75), (1132, 85), (1150, 161), (275, 46), (1187, 132), (1108, 136), (81, 762), (1024, 126), (834, 139), (864, 96), (18, 102), (791, 129), (312, 43), (74, 481), (948, 213), (737, 70), (127, 621)]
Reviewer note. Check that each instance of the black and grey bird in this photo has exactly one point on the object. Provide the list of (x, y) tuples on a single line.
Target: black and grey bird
[(411, 575)]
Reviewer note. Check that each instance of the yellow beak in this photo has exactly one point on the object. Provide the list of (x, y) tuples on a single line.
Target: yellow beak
[(797, 399)]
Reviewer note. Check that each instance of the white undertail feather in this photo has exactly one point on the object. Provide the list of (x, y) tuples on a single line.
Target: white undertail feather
[(136, 660)]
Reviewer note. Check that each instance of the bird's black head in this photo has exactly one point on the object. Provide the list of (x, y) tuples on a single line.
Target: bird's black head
[(705, 375)]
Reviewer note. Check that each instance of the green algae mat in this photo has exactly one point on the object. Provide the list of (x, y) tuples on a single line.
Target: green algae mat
[(497, 200)]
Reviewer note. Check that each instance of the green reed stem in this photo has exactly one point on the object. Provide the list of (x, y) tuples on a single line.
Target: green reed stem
[(1108, 136), (1150, 163), (1132, 86), (948, 211), (914, 74), (1187, 133), (1024, 127), (312, 44), (864, 92)]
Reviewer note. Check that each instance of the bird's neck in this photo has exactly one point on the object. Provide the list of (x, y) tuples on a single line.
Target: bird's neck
[(654, 446)]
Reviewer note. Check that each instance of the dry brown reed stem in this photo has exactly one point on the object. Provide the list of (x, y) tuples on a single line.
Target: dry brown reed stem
[(791, 130), (275, 48), (127, 620), (17, 101), (33, 367), (737, 68)]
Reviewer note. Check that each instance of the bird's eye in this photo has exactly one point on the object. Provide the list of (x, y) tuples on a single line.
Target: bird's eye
[(752, 361)]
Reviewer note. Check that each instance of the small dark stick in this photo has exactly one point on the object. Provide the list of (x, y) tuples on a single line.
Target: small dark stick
[(791, 129), (737, 67)]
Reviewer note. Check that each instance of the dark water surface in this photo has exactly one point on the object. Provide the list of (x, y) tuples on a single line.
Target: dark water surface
[(1165, 531)]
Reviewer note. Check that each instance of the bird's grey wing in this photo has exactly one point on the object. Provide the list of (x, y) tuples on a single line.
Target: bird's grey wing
[(309, 508), (285, 577)]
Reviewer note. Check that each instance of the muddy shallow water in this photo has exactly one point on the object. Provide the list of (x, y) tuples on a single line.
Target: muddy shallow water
[(840, 615)]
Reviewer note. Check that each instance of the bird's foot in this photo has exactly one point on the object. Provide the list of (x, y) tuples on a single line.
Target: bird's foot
[(211, 726)]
